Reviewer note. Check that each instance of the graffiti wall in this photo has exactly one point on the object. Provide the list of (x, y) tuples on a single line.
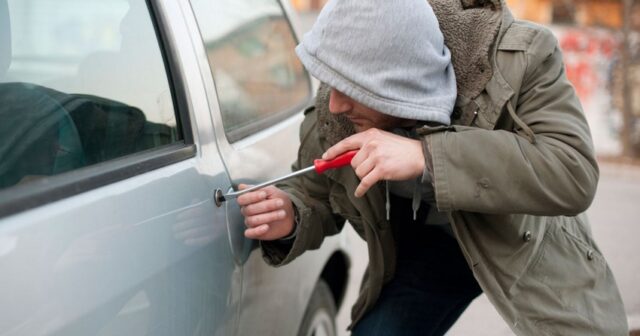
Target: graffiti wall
[(591, 56)]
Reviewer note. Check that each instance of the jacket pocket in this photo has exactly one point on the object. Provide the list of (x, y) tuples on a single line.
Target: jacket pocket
[(556, 291), (565, 260)]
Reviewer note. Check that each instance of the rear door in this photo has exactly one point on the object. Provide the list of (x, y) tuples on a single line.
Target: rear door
[(260, 88), (108, 163), (257, 90)]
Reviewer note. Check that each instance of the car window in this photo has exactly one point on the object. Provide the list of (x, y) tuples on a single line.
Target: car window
[(81, 82), (250, 48)]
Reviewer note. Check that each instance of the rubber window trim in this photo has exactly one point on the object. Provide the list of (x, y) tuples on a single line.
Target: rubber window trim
[(54, 188)]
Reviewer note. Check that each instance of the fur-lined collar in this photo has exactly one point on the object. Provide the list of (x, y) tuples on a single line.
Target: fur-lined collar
[(470, 28)]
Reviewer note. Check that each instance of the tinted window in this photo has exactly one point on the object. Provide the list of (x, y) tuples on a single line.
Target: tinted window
[(81, 82), (250, 48)]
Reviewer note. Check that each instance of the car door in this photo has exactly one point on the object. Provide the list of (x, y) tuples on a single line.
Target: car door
[(108, 166), (260, 88), (257, 91)]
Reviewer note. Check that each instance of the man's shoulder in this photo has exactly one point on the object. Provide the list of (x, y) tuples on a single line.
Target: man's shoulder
[(528, 37), (523, 48)]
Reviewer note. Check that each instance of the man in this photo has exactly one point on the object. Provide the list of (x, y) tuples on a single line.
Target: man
[(492, 204)]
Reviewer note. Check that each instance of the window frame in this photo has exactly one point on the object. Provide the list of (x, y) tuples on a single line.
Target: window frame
[(246, 131), (49, 189)]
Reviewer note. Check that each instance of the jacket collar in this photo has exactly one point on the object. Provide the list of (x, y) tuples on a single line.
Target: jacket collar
[(470, 28), (497, 87)]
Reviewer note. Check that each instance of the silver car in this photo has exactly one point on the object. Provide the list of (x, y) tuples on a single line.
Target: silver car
[(120, 122)]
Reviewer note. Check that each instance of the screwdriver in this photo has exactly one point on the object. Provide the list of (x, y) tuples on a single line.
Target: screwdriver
[(319, 166)]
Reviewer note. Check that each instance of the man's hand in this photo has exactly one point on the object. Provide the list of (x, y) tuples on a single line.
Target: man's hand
[(381, 156), (268, 213)]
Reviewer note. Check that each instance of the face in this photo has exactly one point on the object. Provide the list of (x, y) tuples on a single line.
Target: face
[(363, 117)]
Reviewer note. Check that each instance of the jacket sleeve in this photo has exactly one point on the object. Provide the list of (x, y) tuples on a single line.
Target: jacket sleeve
[(501, 172), (310, 196)]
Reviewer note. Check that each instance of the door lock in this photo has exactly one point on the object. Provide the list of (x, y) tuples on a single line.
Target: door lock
[(218, 197)]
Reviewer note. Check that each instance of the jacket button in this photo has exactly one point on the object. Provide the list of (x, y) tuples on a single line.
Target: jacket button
[(484, 182), (590, 254), (527, 236)]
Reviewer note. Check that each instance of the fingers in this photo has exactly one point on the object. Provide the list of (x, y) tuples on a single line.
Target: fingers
[(251, 197), (258, 208), (364, 165), (262, 207), (362, 162), (368, 181), (257, 232), (258, 226), (355, 141), (268, 213), (364, 168), (381, 156), (265, 218)]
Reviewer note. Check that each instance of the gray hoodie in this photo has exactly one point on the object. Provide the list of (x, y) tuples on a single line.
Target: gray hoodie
[(387, 55)]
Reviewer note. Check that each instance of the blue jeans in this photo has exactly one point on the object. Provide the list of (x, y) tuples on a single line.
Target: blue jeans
[(432, 285)]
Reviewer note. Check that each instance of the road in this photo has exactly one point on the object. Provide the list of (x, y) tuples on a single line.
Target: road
[(614, 220)]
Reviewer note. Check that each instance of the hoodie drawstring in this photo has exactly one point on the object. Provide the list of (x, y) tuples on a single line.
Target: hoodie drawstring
[(388, 204), (417, 199), (525, 128)]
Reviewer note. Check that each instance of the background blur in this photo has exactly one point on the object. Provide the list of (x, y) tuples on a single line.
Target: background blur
[(600, 40)]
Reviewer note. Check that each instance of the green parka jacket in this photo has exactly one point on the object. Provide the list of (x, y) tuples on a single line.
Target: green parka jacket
[(515, 172)]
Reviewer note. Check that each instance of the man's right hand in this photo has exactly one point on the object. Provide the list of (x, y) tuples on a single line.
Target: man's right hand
[(268, 213)]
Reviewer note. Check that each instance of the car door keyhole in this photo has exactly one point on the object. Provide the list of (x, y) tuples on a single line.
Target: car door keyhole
[(218, 196)]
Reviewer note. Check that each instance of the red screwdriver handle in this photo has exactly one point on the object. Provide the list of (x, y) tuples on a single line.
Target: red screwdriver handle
[(341, 160)]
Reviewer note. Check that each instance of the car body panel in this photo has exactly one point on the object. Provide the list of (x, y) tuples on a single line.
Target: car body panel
[(153, 253), (262, 156), (77, 264)]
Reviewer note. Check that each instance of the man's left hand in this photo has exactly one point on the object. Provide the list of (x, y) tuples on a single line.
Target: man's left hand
[(382, 156)]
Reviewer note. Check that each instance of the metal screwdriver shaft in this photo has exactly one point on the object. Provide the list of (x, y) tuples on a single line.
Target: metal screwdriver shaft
[(319, 166), (268, 183)]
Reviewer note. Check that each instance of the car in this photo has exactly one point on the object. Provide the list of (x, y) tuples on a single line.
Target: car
[(122, 123)]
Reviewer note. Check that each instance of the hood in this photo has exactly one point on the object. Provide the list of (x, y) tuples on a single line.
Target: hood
[(470, 28), (404, 71)]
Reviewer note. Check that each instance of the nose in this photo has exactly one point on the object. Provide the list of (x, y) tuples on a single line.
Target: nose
[(338, 102)]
